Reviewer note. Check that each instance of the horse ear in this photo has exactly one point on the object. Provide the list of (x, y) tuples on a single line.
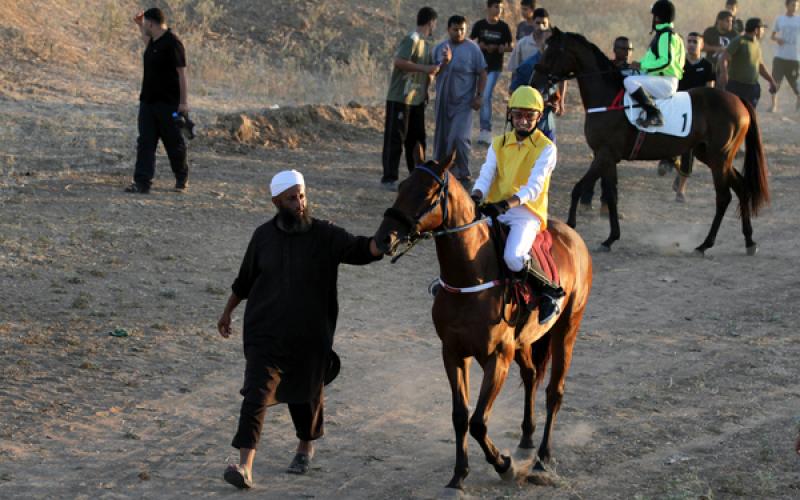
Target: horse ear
[(418, 153), (448, 161), (556, 31)]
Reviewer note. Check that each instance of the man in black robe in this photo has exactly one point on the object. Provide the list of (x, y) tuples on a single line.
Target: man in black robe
[(288, 277)]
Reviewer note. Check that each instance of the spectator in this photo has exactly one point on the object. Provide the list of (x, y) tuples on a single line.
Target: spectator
[(718, 37), (697, 72), (459, 87), (164, 93), (787, 57), (527, 25), (623, 59), (732, 6), (493, 36), (532, 43), (407, 97), (742, 63)]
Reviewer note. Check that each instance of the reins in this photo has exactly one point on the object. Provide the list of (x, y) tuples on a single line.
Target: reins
[(510, 293), (411, 223)]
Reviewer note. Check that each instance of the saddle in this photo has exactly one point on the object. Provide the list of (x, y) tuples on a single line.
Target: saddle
[(541, 251), (676, 110)]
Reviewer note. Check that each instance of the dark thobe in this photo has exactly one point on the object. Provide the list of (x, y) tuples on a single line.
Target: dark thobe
[(289, 281)]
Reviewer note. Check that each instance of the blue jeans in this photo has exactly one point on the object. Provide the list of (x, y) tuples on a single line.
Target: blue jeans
[(486, 103)]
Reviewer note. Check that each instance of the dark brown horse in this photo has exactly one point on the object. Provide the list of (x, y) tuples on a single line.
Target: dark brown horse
[(472, 325), (721, 123)]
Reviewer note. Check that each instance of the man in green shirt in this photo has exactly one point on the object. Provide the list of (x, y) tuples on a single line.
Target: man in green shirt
[(742, 64), (407, 96), (661, 67)]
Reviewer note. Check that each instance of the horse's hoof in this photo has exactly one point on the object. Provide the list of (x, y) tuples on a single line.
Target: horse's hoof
[(699, 253), (510, 474), (603, 248), (542, 477), (752, 250), (452, 493)]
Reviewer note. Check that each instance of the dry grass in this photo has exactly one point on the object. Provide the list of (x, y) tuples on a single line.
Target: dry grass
[(310, 52)]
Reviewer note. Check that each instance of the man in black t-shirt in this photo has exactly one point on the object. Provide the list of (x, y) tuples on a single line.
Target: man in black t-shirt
[(527, 26), (163, 102), (493, 36), (733, 7), (718, 37)]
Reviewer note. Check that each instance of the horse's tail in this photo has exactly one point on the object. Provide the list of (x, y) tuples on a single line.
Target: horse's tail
[(541, 356), (755, 165)]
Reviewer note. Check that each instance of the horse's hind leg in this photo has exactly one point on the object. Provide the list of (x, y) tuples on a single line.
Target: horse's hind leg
[(527, 372), (457, 369), (495, 371), (613, 213), (562, 341), (737, 183), (724, 197)]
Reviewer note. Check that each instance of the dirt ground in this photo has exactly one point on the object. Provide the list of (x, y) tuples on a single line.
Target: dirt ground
[(683, 384)]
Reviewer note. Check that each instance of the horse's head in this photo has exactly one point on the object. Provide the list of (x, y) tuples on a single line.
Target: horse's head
[(570, 55), (421, 204), (556, 64)]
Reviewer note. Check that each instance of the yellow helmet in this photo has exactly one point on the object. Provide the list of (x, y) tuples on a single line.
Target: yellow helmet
[(526, 97)]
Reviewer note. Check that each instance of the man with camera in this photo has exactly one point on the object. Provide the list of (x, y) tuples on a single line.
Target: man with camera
[(163, 103)]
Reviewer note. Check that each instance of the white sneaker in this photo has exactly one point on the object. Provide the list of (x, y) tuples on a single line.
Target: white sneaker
[(485, 137)]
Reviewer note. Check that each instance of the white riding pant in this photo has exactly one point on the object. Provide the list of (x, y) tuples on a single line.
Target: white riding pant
[(524, 226), (659, 87)]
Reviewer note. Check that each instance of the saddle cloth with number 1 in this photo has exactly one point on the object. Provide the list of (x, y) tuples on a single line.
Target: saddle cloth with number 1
[(677, 111)]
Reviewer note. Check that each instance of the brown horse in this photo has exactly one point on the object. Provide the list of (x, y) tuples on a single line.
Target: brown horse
[(472, 325), (721, 123)]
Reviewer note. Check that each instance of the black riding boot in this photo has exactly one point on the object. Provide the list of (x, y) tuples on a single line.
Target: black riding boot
[(653, 116), (550, 293)]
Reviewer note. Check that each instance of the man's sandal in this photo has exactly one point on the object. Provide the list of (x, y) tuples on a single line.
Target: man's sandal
[(238, 476), (300, 464)]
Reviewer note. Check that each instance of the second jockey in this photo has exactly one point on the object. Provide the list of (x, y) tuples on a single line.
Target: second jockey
[(661, 67)]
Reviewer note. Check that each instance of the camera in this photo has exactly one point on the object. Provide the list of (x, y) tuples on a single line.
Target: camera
[(184, 123)]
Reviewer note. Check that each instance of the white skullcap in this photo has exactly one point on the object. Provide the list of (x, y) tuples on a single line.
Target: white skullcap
[(285, 180)]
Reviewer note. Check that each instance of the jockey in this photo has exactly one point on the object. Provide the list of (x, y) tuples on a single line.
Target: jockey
[(515, 179), (661, 66)]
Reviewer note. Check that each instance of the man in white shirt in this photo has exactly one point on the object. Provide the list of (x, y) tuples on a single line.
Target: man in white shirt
[(787, 58)]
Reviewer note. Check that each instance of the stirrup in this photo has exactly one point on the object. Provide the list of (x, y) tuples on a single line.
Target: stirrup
[(651, 120), (549, 307)]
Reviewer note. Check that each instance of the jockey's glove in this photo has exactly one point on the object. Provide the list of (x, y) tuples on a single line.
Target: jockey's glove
[(494, 210)]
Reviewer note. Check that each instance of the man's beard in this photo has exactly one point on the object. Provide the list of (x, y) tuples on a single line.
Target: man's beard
[(290, 222), (524, 134)]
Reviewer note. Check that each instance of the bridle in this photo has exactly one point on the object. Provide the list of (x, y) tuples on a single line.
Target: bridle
[(412, 223), (414, 236), (553, 80)]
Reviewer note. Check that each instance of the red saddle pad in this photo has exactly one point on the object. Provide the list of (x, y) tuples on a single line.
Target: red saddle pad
[(540, 251)]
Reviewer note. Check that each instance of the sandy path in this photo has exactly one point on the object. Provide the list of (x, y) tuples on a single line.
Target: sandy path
[(683, 382)]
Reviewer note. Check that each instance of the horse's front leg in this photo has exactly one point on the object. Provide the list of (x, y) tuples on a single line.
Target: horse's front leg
[(495, 371), (527, 372), (458, 375), (586, 182)]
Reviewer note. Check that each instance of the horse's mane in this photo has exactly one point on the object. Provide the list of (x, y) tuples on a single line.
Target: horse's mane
[(603, 62)]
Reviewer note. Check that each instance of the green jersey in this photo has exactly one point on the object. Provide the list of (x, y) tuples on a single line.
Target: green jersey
[(666, 55)]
